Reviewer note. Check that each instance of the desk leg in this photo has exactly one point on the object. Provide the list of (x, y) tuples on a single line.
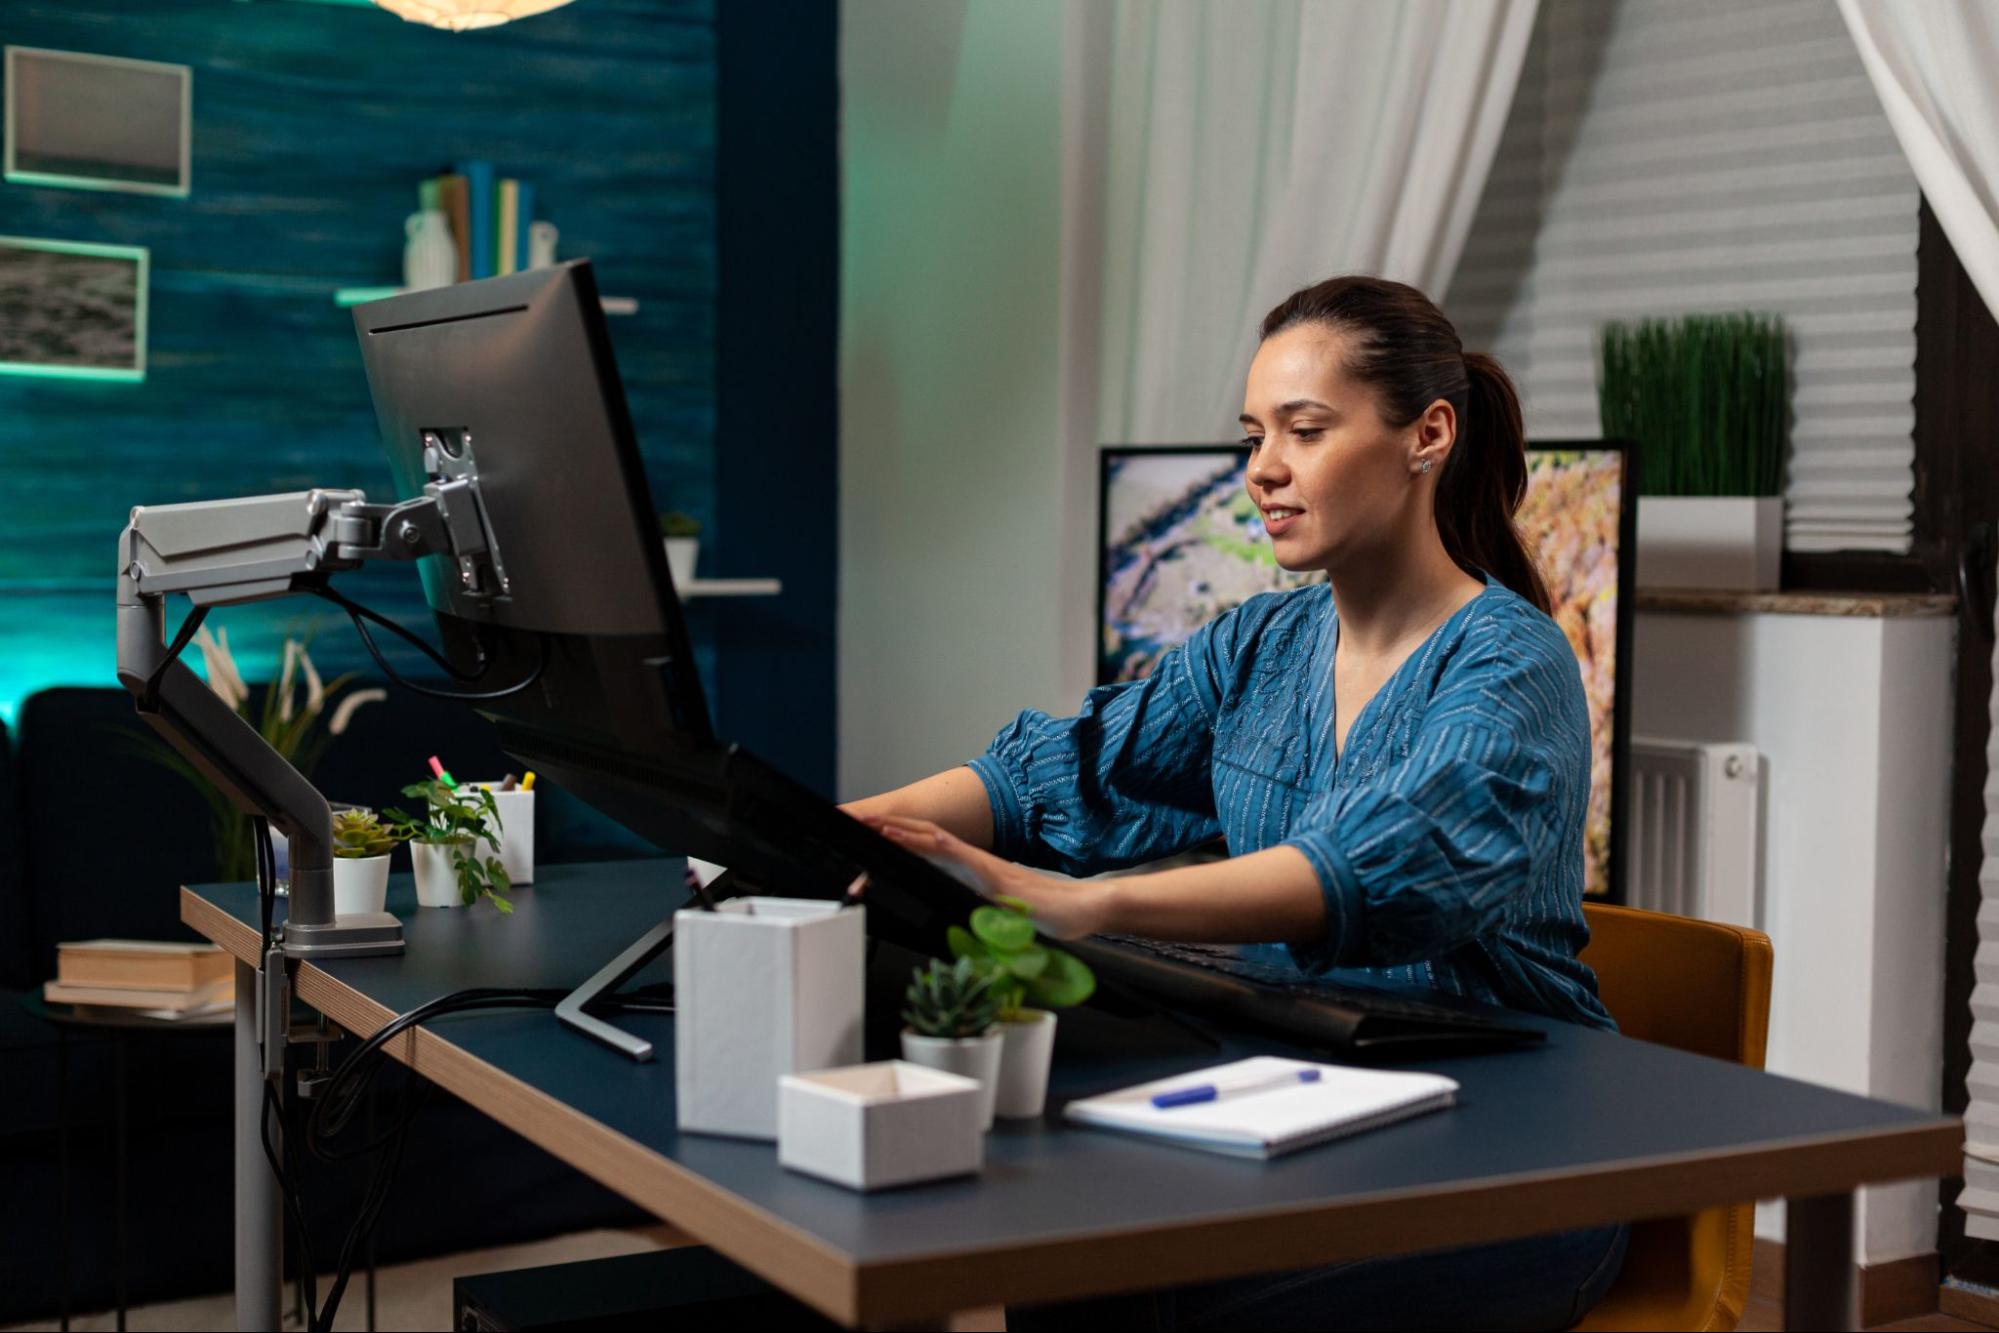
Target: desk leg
[(259, 1260), (62, 1161), (122, 1056), (1818, 1263)]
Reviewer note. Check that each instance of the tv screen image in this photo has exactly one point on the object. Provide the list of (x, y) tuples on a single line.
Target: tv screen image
[(1180, 543)]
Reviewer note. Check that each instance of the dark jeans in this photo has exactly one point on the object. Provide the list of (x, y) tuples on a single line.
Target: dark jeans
[(1542, 1282)]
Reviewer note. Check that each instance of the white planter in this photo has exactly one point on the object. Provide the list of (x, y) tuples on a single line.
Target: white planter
[(1026, 1050), (360, 884), (436, 877), (974, 1057), (681, 553), (871, 1126), (763, 987), (1729, 542)]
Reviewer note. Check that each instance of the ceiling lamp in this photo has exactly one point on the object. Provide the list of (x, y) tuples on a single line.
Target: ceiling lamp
[(464, 15)]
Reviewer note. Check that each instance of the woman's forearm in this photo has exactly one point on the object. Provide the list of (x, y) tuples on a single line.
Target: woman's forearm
[(1271, 895), (955, 798)]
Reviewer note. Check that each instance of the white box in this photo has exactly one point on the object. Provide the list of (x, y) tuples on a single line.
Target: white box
[(1694, 541), (871, 1126), (762, 987), (516, 809)]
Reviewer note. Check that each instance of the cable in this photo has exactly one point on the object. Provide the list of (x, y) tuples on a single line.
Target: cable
[(149, 698), (360, 615)]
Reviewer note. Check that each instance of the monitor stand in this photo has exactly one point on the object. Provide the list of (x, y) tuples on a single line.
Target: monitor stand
[(623, 968)]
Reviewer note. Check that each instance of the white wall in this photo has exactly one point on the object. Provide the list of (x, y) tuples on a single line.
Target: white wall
[(1852, 716), (951, 474)]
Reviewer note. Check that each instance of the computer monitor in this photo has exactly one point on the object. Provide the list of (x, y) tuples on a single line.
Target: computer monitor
[(1180, 542), (512, 382)]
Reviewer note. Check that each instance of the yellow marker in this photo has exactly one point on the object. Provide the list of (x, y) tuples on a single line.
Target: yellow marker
[(527, 783)]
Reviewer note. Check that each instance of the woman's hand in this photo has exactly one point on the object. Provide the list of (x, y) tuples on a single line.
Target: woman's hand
[(1062, 909)]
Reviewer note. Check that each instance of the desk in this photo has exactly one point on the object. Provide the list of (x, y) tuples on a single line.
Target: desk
[(1591, 1128)]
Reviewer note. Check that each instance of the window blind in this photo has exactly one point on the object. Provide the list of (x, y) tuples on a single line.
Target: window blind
[(1710, 155)]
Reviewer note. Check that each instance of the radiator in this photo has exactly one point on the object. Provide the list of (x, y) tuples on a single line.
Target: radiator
[(1693, 844)]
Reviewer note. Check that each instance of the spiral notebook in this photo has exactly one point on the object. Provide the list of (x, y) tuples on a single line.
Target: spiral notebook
[(1274, 1121)]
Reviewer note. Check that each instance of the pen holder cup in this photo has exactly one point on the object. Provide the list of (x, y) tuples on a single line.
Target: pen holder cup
[(763, 987), (516, 810), (871, 1126)]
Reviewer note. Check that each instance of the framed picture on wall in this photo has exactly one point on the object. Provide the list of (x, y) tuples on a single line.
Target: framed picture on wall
[(92, 122), (72, 310)]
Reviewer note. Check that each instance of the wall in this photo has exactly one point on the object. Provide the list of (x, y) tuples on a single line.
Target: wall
[(951, 469), (311, 125), (1852, 717)]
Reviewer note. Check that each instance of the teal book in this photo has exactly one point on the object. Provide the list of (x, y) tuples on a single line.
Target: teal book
[(524, 209), (479, 194)]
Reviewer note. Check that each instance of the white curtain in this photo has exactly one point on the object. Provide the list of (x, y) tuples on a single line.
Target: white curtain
[(1245, 150), (1935, 65)]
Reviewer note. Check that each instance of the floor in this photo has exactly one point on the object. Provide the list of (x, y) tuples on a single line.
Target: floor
[(418, 1295)]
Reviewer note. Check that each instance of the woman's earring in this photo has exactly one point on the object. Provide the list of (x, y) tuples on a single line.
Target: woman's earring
[(1426, 464)]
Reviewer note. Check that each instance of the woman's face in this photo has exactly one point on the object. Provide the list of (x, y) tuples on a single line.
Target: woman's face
[(1334, 483)]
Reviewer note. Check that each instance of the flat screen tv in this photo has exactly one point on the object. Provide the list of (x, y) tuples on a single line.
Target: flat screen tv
[(1179, 543)]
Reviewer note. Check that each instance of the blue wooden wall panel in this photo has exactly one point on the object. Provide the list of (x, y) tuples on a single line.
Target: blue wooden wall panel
[(312, 124)]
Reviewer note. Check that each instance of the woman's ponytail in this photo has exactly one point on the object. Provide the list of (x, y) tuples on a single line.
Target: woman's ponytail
[(1401, 345), (1484, 480)]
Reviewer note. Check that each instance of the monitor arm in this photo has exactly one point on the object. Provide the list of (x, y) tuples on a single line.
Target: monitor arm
[(226, 552)]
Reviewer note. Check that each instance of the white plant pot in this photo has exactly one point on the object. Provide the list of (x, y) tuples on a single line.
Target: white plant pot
[(436, 877), (681, 553), (1697, 541), (1027, 1048), (974, 1057), (872, 1126), (360, 884)]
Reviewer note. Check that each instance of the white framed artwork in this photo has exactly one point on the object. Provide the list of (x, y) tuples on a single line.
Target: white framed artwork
[(91, 122), (73, 310)]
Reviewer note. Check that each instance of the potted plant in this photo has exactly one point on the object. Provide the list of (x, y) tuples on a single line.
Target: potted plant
[(683, 545), (452, 846), (1707, 399), (1002, 943), (953, 1014), (361, 847)]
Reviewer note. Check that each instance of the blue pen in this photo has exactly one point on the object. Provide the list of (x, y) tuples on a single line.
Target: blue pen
[(1213, 1092)]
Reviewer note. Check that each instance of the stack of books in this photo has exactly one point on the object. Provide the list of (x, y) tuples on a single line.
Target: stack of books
[(150, 978), (489, 217)]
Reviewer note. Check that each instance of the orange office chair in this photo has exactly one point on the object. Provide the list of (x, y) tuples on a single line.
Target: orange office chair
[(1695, 986)]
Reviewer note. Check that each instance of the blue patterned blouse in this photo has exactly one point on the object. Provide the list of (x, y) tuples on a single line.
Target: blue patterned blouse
[(1447, 836)]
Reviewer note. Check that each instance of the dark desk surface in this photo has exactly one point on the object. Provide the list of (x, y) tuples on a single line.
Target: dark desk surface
[(1590, 1128)]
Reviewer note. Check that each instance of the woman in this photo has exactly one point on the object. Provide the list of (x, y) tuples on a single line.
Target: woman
[(1400, 762)]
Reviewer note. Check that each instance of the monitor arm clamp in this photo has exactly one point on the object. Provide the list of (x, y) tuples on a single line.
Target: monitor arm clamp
[(228, 552)]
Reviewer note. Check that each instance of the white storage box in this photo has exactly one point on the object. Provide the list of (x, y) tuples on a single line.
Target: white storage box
[(871, 1126), (1728, 542), (762, 987)]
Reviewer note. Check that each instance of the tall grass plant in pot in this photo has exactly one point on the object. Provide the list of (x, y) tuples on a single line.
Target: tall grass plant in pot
[(1707, 399)]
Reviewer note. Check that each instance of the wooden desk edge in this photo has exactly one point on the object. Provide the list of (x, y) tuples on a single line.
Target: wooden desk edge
[(1286, 1236)]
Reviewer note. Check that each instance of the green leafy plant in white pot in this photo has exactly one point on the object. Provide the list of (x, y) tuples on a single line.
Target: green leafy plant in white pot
[(953, 1010), (1033, 981), (453, 847), (1707, 399), (361, 848)]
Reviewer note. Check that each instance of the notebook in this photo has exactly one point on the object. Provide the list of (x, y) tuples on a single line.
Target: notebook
[(1268, 1123)]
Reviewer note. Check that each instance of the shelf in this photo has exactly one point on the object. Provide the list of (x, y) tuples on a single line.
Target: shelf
[(347, 296), (1715, 601), (731, 588)]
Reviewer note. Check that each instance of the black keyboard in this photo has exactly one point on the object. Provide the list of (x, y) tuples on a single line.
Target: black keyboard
[(1218, 982)]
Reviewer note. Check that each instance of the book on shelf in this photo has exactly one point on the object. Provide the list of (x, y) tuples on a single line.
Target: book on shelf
[(479, 214), (202, 999), (456, 205), (507, 231), (524, 217), (150, 965), (113, 1012)]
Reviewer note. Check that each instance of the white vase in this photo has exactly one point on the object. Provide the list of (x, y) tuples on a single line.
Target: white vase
[(430, 257), (974, 1057), (541, 244), (360, 883), (681, 553), (436, 876), (1027, 1049), (1700, 541)]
